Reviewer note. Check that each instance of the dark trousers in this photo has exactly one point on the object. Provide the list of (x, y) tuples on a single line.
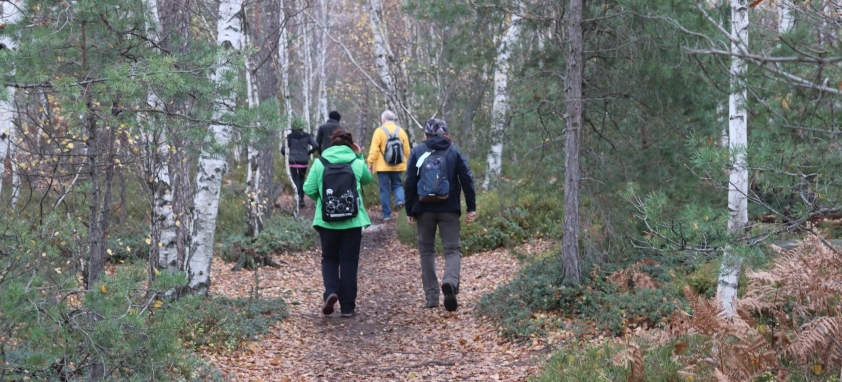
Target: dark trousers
[(449, 229), (298, 176), (340, 260)]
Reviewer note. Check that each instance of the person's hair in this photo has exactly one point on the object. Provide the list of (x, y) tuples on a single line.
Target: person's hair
[(388, 115), (342, 137), (334, 115)]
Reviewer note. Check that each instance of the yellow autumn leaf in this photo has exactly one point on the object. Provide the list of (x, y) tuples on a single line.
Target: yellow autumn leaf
[(160, 244), (148, 241), (817, 369), (158, 304), (103, 289), (109, 252), (177, 223), (157, 272), (70, 145)]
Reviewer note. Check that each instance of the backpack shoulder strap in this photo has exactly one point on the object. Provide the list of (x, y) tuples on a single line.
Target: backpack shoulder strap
[(324, 161), (388, 134)]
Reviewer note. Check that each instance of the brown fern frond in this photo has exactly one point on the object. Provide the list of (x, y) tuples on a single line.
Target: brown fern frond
[(813, 337), (632, 276)]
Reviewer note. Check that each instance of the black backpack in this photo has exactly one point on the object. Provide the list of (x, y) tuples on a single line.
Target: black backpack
[(340, 200), (394, 147), (433, 184)]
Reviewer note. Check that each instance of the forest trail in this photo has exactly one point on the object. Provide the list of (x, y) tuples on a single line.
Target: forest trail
[(392, 337)]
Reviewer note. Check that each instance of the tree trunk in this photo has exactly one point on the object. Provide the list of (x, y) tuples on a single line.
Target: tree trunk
[(307, 72), (283, 53), (322, 59), (8, 15), (729, 272), (575, 108), (266, 16), (500, 108), (212, 164), (164, 249), (256, 200), (383, 56)]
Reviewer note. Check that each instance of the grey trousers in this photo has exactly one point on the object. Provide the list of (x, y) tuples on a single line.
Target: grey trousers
[(449, 230)]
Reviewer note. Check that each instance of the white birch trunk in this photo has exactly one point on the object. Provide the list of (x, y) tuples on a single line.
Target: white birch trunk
[(500, 107), (786, 18), (729, 272), (307, 84), (9, 14), (256, 200), (212, 165), (283, 53), (321, 60), (164, 235), (13, 202), (382, 56)]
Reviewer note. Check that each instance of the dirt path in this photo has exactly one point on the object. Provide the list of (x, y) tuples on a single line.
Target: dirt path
[(393, 337)]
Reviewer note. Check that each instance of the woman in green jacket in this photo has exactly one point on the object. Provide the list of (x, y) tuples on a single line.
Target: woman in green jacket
[(340, 240)]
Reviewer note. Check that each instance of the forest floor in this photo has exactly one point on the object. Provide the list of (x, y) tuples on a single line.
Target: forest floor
[(393, 336)]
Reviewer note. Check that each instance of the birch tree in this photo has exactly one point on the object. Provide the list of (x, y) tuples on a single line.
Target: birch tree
[(283, 53), (574, 62), (163, 252), (737, 141), (212, 163), (500, 108), (321, 59), (383, 59), (256, 199), (10, 13)]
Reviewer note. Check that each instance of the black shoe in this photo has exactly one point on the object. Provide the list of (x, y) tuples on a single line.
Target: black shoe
[(449, 296), (347, 315), (327, 309), (432, 304)]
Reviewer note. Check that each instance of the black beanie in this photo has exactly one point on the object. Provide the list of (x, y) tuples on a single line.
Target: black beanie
[(334, 115)]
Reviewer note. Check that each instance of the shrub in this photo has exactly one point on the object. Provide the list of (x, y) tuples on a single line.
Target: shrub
[(539, 288), (224, 323)]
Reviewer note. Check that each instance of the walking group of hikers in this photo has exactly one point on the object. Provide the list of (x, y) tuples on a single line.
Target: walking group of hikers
[(436, 175)]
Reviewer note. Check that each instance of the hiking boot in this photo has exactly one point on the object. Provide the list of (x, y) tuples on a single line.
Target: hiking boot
[(347, 315), (387, 218), (327, 309), (449, 296), (432, 304), (301, 204), (399, 206)]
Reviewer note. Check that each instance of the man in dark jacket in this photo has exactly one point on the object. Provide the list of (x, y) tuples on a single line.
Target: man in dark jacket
[(443, 215), (326, 130), (301, 145)]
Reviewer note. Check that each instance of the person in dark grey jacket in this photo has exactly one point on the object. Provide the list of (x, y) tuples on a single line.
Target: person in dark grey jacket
[(443, 215), (325, 130), (301, 145)]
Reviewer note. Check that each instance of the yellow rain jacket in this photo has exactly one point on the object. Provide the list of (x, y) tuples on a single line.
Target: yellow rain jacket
[(378, 147)]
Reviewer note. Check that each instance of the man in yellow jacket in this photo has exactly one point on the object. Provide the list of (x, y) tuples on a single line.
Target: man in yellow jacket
[(389, 175)]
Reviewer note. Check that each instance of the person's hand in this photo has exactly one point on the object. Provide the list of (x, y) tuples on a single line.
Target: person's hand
[(357, 149), (470, 217), (371, 169), (410, 220)]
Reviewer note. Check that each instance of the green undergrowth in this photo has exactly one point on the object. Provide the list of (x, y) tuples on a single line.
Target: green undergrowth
[(519, 306), (502, 224), (280, 234), (223, 323), (52, 329), (585, 362)]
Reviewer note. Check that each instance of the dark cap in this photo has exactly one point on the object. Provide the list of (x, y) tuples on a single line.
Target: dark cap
[(334, 115), (435, 126)]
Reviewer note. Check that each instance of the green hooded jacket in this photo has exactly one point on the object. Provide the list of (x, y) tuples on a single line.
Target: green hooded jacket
[(313, 186)]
